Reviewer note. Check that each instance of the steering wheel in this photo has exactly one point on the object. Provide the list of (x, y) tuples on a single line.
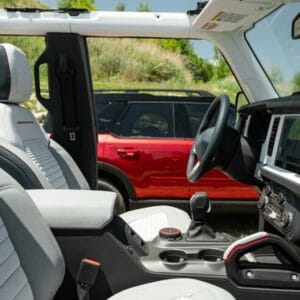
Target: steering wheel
[(208, 139)]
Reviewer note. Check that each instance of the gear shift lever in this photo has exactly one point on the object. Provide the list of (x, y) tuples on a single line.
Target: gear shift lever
[(198, 230), (200, 206)]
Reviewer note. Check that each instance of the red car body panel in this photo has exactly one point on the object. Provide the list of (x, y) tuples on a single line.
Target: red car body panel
[(156, 167)]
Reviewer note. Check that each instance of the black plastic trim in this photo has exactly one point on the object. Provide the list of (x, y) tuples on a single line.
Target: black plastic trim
[(282, 105), (5, 81), (146, 97), (19, 170), (218, 206), (188, 92)]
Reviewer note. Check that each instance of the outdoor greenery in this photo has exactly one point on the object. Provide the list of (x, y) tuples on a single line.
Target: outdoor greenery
[(89, 4), (22, 3), (296, 82), (136, 63)]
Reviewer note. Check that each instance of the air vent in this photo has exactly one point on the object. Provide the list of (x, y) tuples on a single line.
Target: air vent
[(273, 136)]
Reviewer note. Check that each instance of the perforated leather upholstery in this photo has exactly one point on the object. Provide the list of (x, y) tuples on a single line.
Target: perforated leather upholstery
[(11, 272), (31, 263), (175, 289), (20, 129)]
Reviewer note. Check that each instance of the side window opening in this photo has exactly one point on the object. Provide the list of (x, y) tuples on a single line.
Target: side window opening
[(182, 127), (107, 114), (148, 120), (195, 114)]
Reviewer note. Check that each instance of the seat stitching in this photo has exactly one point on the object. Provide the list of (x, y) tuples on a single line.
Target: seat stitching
[(13, 252), (21, 289), (3, 241), (11, 274)]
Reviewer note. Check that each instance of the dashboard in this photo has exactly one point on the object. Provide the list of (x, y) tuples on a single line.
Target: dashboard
[(274, 126)]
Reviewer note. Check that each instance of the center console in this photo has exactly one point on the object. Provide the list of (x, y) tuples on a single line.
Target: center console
[(199, 250)]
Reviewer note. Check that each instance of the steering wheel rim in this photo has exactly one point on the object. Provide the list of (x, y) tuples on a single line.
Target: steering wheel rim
[(208, 140)]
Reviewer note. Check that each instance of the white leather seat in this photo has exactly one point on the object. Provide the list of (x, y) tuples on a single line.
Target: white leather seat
[(154, 218), (174, 289), (32, 265), (31, 157)]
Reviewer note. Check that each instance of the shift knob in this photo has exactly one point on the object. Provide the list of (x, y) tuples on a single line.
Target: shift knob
[(200, 206)]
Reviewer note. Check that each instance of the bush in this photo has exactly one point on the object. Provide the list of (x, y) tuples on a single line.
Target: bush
[(135, 60)]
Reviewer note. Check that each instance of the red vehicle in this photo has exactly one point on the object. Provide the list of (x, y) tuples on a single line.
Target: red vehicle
[(143, 146)]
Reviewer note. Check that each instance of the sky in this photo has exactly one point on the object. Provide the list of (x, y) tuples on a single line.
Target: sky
[(131, 5), (202, 48)]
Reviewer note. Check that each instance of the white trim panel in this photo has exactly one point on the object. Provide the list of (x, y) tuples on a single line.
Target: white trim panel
[(121, 24), (75, 209)]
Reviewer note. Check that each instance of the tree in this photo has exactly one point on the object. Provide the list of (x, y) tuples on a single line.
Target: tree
[(120, 6), (23, 3), (143, 8), (275, 75), (177, 45), (200, 69), (88, 4), (296, 82), (221, 69)]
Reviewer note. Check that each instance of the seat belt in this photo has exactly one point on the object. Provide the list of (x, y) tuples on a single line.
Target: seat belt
[(65, 74), (86, 277)]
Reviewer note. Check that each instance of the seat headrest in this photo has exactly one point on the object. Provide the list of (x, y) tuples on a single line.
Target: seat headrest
[(15, 75)]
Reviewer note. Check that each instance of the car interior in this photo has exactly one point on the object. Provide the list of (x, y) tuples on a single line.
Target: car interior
[(60, 237)]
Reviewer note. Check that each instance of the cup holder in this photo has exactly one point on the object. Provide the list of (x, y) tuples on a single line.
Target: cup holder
[(211, 255), (174, 257)]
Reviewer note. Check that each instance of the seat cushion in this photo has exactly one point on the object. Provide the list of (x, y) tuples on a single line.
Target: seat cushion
[(33, 256), (148, 221), (174, 289)]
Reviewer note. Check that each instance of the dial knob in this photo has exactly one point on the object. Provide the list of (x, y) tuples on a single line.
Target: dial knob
[(263, 200), (281, 198), (285, 219), (268, 190), (170, 233)]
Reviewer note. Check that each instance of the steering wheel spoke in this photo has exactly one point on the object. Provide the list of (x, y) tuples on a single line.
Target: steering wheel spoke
[(208, 140)]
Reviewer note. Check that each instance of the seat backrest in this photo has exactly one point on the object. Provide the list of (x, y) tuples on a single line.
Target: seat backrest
[(19, 128), (31, 263)]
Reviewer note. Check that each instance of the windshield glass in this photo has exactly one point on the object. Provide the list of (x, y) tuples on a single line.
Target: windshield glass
[(278, 54)]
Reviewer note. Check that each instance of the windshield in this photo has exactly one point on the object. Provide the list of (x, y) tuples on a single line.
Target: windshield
[(278, 54)]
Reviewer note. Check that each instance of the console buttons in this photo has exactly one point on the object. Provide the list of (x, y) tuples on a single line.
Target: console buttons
[(170, 233), (268, 190), (263, 200), (285, 219), (281, 198)]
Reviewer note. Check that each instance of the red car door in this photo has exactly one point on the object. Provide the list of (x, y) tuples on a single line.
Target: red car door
[(219, 186), (146, 150)]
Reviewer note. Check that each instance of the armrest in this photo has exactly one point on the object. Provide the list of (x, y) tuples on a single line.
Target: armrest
[(75, 209)]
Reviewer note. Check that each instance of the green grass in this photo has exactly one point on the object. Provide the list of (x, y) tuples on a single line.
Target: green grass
[(227, 85), (22, 3), (136, 60)]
